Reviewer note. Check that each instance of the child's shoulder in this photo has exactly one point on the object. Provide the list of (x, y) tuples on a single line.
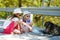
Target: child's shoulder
[(21, 19), (15, 19)]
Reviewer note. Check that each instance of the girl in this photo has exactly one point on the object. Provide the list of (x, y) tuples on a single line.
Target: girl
[(26, 22), (14, 24)]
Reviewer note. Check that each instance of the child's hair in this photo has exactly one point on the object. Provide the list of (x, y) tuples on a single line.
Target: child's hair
[(13, 16)]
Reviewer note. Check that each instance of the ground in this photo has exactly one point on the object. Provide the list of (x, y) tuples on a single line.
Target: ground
[(34, 35)]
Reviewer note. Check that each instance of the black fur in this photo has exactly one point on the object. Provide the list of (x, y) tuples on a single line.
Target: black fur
[(52, 28)]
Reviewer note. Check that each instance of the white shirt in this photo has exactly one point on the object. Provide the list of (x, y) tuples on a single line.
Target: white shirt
[(7, 22), (15, 19)]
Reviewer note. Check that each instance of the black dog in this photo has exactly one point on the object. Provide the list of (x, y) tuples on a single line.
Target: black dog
[(52, 28)]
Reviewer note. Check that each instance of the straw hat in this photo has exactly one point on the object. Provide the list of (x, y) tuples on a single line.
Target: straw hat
[(17, 10), (26, 12)]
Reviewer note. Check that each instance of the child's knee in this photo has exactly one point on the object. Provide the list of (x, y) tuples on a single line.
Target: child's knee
[(16, 31)]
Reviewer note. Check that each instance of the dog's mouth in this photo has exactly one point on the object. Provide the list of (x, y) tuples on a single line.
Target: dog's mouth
[(47, 30)]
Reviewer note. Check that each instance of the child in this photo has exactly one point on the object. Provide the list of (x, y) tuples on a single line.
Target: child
[(14, 25), (27, 24)]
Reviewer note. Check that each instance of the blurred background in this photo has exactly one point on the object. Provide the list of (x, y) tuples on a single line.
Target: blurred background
[(37, 18)]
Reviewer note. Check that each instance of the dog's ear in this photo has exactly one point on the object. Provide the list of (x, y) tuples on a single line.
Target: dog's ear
[(46, 24)]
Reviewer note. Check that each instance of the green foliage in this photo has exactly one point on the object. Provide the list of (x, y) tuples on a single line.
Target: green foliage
[(53, 19), (52, 3), (55, 3), (31, 3), (8, 3), (3, 15), (37, 19)]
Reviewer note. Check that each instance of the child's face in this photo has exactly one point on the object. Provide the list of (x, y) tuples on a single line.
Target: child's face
[(18, 15), (27, 16)]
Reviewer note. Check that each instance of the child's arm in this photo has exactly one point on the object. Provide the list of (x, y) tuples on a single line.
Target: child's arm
[(26, 25), (30, 24)]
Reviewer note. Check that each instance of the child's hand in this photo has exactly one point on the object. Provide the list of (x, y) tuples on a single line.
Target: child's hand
[(16, 31), (30, 24)]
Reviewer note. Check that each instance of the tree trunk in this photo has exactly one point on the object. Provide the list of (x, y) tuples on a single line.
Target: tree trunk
[(19, 5), (49, 3)]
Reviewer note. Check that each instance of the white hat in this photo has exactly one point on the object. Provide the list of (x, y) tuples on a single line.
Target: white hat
[(26, 12), (17, 10)]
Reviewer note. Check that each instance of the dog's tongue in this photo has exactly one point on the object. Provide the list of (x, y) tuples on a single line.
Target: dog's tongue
[(46, 29)]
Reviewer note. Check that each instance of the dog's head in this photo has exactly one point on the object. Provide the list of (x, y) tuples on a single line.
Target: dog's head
[(52, 28), (49, 26)]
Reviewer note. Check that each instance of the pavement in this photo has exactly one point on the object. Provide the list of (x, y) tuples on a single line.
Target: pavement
[(36, 34)]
